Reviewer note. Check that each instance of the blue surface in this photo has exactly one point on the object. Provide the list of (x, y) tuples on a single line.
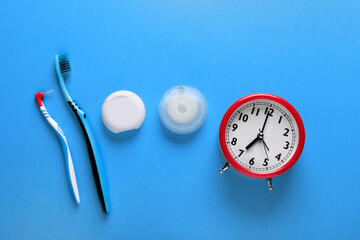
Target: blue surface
[(163, 187)]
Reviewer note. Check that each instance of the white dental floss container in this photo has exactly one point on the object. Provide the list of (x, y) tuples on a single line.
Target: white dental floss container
[(123, 111)]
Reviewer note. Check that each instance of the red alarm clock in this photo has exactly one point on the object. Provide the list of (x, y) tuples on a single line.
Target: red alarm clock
[(261, 136)]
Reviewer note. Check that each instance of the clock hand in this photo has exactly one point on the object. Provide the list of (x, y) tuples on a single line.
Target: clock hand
[(265, 145), (252, 142), (267, 157), (267, 116), (261, 137)]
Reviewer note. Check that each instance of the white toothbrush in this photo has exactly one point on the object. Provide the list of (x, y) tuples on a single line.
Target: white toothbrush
[(69, 163)]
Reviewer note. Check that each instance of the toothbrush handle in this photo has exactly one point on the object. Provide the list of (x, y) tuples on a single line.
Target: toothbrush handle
[(66, 151), (95, 158)]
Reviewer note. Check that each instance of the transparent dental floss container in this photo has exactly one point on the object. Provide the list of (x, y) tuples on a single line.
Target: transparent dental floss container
[(182, 109)]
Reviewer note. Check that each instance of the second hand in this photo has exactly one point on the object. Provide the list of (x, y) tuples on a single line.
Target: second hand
[(265, 146)]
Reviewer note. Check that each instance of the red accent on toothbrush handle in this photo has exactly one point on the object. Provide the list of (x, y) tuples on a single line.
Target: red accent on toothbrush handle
[(39, 96)]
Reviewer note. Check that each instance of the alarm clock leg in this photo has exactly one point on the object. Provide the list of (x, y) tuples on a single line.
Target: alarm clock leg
[(225, 167), (269, 184)]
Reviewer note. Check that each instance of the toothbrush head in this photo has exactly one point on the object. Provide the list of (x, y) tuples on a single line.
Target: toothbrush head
[(64, 64), (62, 67), (40, 95)]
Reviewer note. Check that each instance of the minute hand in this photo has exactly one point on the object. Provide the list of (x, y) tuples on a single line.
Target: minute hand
[(263, 127)]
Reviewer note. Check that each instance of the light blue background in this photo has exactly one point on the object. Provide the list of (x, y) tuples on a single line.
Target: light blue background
[(163, 187)]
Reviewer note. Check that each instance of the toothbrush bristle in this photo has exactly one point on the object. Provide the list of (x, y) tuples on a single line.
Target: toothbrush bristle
[(64, 64)]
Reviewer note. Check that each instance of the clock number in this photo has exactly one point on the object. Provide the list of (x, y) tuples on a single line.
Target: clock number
[(233, 142), (235, 126), (241, 152), (269, 111), (278, 156), (251, 162), (287, 145), (244, 118), (286, 132), (280, 120), (265, 162), (253, 110)]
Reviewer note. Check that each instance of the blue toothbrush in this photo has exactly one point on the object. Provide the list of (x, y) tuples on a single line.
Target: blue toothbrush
[(62, 66)]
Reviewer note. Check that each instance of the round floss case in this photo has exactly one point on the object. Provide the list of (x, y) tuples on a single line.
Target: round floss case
[(182, 109), (123, 111)]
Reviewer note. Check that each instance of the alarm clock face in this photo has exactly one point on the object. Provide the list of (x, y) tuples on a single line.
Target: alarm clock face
[(260, 135)]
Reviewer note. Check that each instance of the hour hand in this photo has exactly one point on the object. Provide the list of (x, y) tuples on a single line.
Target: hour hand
[(252, 143)]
